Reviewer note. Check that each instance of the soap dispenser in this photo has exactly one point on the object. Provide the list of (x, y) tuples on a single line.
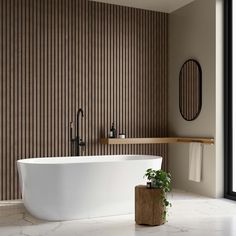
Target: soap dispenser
[(112, 131)]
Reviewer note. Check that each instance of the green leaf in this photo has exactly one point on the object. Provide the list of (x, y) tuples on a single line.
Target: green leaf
[(162, 180)]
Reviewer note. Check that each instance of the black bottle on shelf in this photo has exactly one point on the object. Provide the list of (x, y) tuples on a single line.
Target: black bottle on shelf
[(112, 131)]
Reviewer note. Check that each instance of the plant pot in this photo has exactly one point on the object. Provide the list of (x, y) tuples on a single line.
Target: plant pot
[(149, 209)]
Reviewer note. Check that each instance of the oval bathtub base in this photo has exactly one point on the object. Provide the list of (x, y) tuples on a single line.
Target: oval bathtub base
[(82, 187)]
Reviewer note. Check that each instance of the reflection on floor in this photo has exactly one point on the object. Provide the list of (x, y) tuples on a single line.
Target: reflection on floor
[(191, 215)]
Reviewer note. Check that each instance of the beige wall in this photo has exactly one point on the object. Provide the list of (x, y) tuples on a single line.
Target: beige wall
[(192, 34)]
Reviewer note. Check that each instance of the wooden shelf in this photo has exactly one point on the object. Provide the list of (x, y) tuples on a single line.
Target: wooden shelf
[(157, 140)]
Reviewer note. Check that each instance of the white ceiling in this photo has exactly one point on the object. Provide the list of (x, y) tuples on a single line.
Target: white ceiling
[(154, 5)]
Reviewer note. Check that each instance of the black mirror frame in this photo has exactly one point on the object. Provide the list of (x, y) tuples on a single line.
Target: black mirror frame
[(200, 92)]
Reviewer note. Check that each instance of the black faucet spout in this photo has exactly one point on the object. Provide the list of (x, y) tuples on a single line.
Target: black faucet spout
[(80, 111), (77, 142)]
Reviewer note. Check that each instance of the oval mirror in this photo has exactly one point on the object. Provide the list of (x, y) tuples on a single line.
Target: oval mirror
[(190, 90)]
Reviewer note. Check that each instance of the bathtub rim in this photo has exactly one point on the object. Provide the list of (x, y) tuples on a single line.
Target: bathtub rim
[(86, 159)]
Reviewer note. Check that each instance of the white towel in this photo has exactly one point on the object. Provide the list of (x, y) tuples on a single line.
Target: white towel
[(195, 161)]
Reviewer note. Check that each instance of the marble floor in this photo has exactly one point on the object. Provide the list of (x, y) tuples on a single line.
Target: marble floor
[(191, 215)]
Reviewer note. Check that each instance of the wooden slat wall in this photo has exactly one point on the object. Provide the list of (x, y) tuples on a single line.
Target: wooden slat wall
[(59, 55)]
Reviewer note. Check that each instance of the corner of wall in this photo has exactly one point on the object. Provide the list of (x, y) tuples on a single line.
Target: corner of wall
[(196, 31), (219, 136)]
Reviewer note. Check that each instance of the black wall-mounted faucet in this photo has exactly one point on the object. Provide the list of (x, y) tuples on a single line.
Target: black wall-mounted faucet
[(80, 111), (77, 141)]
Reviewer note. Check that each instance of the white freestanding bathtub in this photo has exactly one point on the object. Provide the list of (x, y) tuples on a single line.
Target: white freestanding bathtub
[(67, 188)]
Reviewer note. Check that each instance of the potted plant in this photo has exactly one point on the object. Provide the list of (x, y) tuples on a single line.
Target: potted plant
[(159, 179)]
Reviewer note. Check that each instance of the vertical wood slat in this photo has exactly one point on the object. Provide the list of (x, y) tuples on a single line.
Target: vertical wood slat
[(59, 55)]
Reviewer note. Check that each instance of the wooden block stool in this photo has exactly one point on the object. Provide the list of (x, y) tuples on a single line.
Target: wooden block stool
[(149, 209)]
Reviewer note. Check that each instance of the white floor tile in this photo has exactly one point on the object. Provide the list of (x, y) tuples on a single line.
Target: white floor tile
[(191, 215)]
